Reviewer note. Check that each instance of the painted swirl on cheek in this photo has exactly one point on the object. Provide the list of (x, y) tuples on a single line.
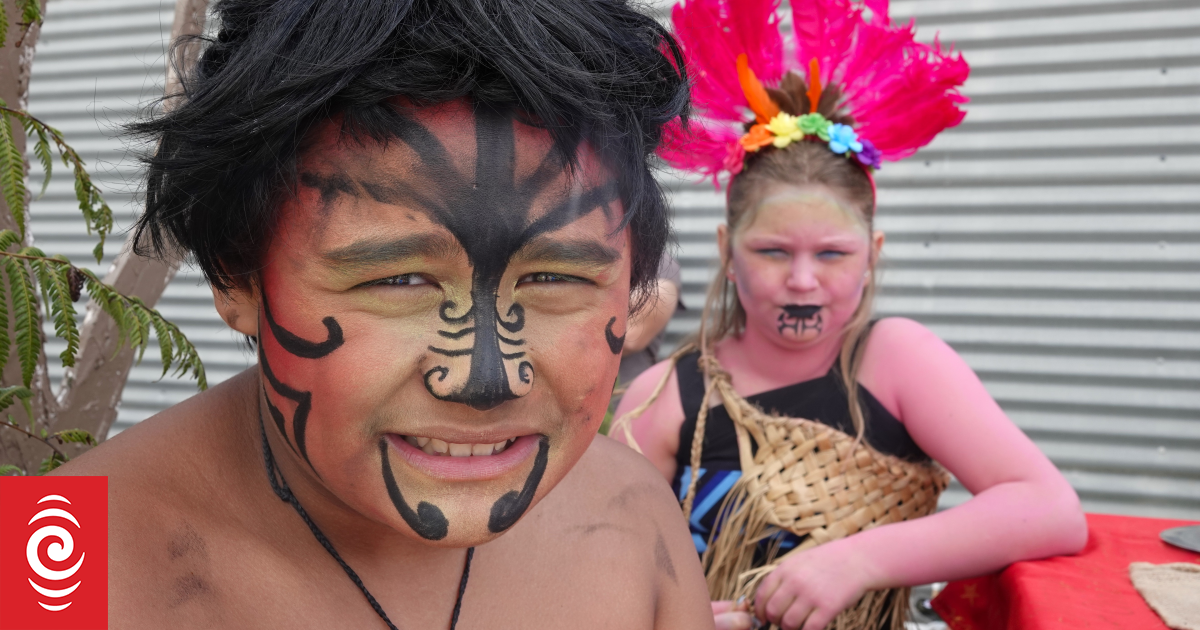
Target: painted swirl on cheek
[(428, 520), (304, 348), (508, 509), (298, 346), (615, 343)]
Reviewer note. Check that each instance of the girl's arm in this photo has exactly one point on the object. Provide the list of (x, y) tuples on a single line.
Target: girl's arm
[(657, 429), (1023, 508)]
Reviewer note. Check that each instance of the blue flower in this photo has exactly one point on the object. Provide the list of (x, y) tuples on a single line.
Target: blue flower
[(843, 139)]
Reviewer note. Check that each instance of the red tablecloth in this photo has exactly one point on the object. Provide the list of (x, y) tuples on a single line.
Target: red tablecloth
[(1087, 590)]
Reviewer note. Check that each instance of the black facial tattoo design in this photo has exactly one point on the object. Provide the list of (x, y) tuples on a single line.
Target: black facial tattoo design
[(294, 344), (801, 319), (615, 343), (488, 213)]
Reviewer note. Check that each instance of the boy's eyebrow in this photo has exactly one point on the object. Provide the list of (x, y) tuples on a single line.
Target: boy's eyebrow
[(574, 251), (366, 253)]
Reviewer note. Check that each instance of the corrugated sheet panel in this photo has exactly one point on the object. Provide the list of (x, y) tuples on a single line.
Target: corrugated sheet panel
[(99, 63), (1053, 239)]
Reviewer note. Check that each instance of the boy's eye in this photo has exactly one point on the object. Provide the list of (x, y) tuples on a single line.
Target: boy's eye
[(830, 254), (546, 276), (772, 251), (406, 279)]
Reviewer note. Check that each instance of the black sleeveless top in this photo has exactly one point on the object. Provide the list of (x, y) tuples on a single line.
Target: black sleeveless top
[(822, 399)]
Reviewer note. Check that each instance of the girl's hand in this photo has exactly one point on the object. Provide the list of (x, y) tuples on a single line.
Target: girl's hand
[(808, 590), (732, 616)]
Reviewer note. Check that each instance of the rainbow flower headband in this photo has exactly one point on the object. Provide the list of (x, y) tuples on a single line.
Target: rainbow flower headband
[(774, 127)]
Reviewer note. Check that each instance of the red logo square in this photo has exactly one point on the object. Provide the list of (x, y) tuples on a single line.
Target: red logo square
[(53, 553)]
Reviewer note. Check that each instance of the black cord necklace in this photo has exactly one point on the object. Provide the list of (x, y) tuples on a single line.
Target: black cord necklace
[(280, 486)]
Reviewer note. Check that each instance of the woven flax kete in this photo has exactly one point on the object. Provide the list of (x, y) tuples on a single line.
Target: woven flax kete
[(806, 478)]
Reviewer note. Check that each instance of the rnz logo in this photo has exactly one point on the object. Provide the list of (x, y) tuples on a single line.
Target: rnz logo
[(61, 549), (53, 553)]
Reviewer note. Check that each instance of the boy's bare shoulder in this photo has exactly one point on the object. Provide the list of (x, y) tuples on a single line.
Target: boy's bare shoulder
[(614, 525), (172, 483)]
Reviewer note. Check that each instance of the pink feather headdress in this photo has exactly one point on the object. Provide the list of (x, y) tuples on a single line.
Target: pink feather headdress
[(847, 57)]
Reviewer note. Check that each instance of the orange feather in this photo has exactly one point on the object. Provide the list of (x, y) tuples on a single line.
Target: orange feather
[(814, 85), (760, 102)]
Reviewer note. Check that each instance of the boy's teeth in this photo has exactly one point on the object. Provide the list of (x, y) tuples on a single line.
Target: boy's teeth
[(434, 446)]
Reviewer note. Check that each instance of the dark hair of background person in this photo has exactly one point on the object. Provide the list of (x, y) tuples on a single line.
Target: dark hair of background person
[(225, 156)]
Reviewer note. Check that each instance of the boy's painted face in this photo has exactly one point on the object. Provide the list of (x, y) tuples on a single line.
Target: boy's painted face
[(441, 319), (800, 264)]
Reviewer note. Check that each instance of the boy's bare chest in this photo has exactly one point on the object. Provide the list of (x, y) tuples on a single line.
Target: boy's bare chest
[(192, 579)]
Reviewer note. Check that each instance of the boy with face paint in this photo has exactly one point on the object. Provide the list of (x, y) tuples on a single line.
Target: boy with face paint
[(429, 217)]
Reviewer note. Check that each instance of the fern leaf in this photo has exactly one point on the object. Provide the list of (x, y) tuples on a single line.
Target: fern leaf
[(25, 310), (147, 324), (41, 148), (55, 460), (57, 282), (166, 344), (3, 27), (9, 469), (5, 324), (74, 436), (9, 395), (8, 238), (12, 172), (106, 297), (31, 12)]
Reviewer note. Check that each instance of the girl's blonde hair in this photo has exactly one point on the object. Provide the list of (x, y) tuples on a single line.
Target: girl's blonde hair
[(800, 164)]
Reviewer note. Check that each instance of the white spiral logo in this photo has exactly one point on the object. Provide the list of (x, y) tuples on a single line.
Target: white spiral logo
[(59, 551)]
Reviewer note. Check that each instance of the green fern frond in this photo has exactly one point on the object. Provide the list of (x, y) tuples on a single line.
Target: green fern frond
[(10, 395), (55, 460), (5, 342), (9, 469), (74, 436), (3, 27), (166, 345), (135, 323), (41, 148), (24, 303), (31, 12), (8, 238), (56, 282), (12, 171)]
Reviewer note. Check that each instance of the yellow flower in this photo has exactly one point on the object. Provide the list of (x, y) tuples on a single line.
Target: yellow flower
[(786, 129)]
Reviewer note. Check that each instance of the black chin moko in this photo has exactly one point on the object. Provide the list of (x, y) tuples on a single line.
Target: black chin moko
[(800, 319), (508, 509), (428, 520), (489, 215)]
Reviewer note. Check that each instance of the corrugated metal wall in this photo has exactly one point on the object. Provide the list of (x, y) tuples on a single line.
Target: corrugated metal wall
[(1053, 238)]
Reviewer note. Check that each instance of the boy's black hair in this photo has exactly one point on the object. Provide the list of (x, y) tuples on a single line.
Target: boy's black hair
[(594, 70)]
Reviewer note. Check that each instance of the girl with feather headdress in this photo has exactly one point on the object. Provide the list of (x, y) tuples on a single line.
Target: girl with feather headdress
[(808, 442)]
